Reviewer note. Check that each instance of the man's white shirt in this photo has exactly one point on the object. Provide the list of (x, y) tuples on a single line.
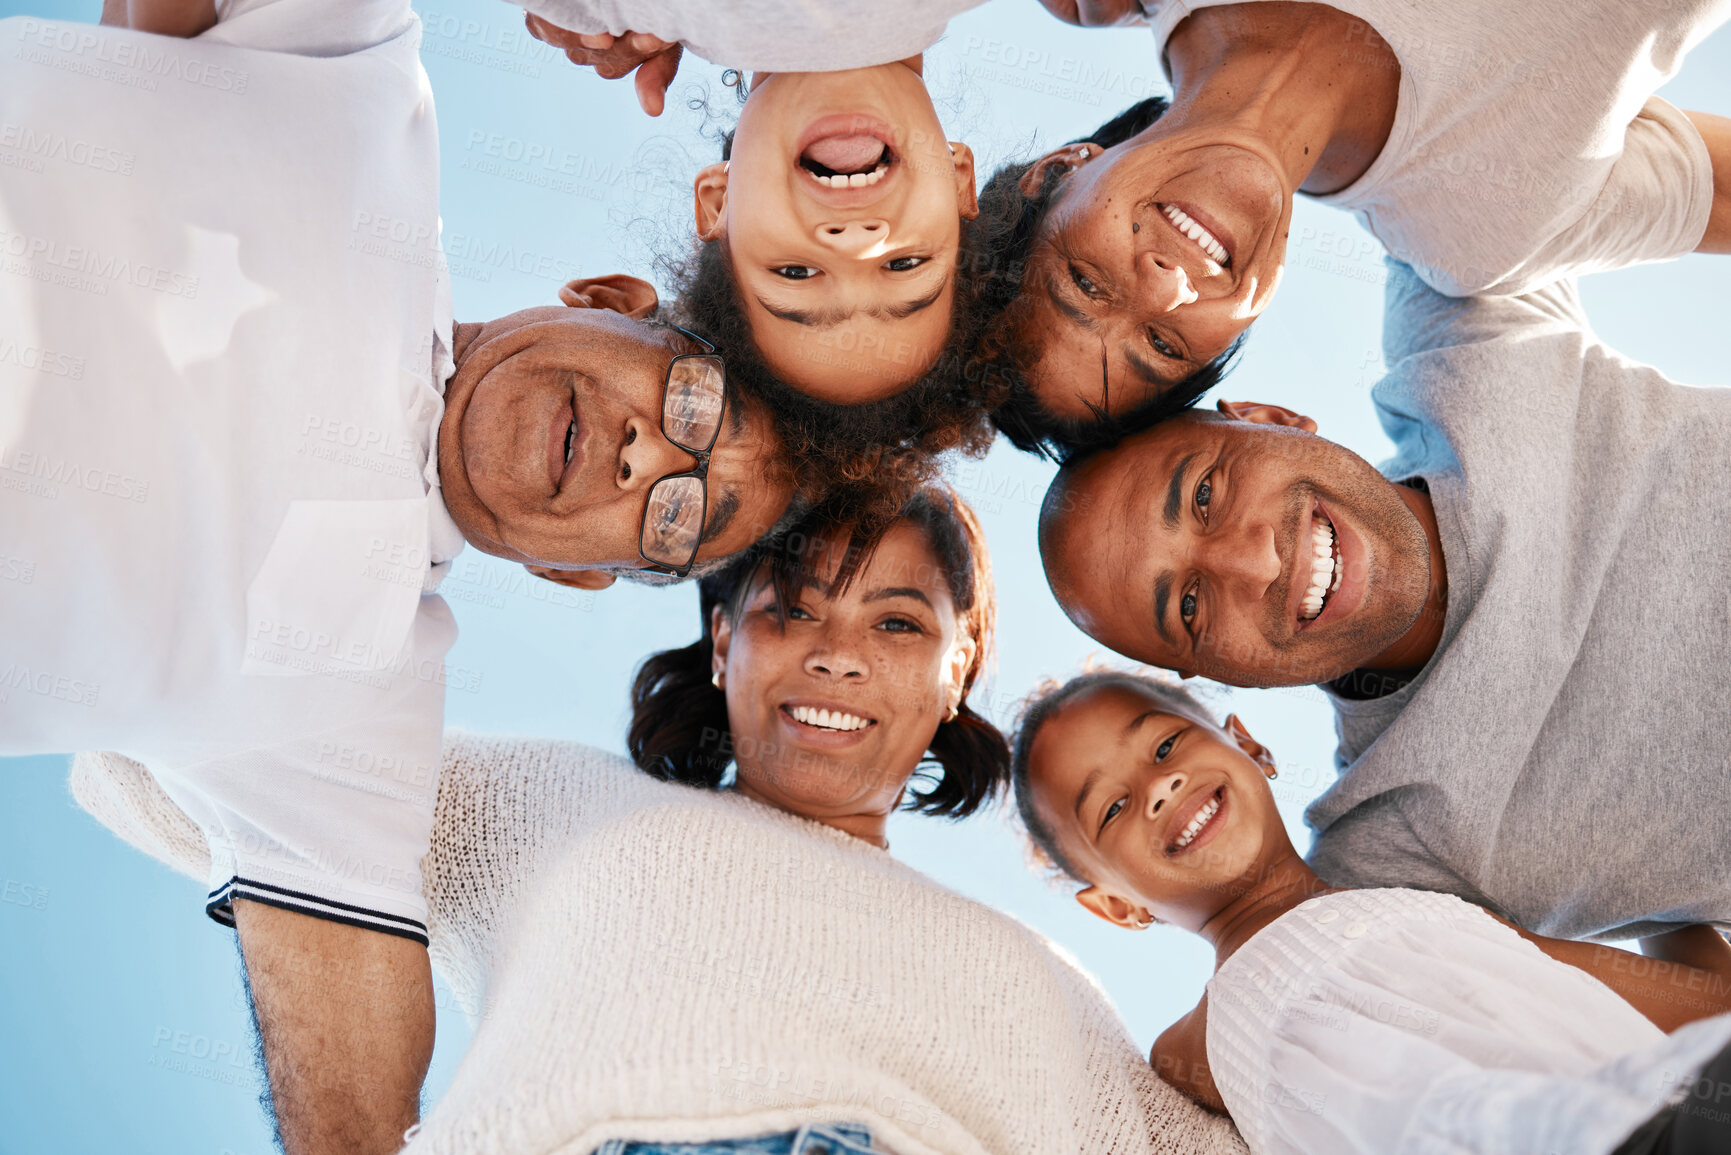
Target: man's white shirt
[(224, 332)]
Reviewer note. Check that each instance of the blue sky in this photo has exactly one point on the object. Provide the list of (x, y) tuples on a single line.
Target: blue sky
[(120, 1007)]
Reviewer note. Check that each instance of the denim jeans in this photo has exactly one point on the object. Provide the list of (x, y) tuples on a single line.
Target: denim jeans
[(815, 1139)]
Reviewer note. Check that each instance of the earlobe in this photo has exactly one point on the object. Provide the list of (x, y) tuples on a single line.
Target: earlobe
[(1254, 750), (709, 192), (721, 635), (1115, 910), (1261, 413), (967, 189), (582, 579), (1069, 158), (618, 293)]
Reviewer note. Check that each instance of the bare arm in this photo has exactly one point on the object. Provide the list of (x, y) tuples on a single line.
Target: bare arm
[(1716, 131), (346, 1016), (1180, 1058), (1671, 993), (183, 18)]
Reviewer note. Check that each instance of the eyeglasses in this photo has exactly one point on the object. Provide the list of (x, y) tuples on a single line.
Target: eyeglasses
[(692, 405)]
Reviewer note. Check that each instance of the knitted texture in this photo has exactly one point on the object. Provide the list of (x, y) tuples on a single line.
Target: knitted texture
[(654, 961)]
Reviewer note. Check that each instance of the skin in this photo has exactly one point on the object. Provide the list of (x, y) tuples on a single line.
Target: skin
[(519, 380), (889, 649), (1117, 775), (1234, 560), (1269, 100), (828, 276), (1716, 131), (346, 1016)]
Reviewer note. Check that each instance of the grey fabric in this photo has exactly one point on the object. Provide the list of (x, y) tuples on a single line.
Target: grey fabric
[(1562, 758)]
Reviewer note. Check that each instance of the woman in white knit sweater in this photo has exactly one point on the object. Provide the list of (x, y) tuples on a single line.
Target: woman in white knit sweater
[(730, 961)]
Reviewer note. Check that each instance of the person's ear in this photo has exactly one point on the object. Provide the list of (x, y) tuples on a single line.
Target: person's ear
[(1115, 910), (579, 579), (1069, 158), (721, 635), (1257, 752), (709, 192), (967, 191), (1259, 413), (632, 296), (961, 658)]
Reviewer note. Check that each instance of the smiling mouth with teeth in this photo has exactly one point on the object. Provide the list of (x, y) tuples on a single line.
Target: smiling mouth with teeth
[(827, 719), (1205, 240), (1195, 826), (1325, 569), (848, 162)]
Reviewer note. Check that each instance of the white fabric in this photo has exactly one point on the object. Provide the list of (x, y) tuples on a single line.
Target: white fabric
[(1527, 144), (223, 337), (770, 35), (1401, 1022), (658, 962)]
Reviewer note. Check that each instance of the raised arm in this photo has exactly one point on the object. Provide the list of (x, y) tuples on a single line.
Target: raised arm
[(1716, 131), (1685, 978), (346, 1016)]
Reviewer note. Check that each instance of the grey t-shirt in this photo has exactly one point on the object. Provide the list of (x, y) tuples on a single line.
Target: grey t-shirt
[(1527, 145), (1563, 756)]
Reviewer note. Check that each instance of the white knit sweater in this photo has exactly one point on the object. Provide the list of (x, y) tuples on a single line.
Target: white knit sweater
[(652, 961)]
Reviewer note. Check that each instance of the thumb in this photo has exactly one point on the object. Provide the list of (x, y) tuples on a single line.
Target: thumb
[(653, 77)]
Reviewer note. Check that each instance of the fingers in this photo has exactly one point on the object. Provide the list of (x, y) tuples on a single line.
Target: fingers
[(654, 76)]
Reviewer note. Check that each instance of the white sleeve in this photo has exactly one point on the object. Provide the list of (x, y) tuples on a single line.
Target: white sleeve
[(1419, 319), (1654, 206), (310, 27)]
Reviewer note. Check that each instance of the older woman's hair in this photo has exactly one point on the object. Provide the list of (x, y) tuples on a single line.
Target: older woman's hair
[(946, 407), (1001, 241), (679, 728), (1039, 707)]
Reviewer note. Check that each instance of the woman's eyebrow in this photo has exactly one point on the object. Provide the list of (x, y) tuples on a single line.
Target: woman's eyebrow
[(897, 592)]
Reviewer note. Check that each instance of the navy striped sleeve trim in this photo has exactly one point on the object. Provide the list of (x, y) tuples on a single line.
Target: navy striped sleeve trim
[(221, 908)]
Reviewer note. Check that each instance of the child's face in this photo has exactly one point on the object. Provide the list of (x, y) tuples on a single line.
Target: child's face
[(1168, 815), (849, 290)]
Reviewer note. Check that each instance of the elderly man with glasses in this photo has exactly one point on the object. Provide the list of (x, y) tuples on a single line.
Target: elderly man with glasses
[(241, 438)]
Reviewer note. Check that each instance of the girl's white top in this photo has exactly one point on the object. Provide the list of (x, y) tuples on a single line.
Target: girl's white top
[(652, 961), (1401, 1022)]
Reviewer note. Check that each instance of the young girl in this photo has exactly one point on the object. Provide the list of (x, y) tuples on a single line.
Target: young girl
[(1370, 1021)]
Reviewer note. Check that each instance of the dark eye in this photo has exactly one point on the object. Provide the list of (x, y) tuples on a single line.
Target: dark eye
[(795, 272), (1084, 283), (1187, 607), (903, 264), (799, 614), (1162, 347), (1205, 494), (1164, 749), (1111, 813), (900, 625)]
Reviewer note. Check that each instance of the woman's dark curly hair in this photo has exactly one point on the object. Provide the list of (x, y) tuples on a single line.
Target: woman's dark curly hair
[(1002, 243), (890, 443), (1038, 708), (679, 727)]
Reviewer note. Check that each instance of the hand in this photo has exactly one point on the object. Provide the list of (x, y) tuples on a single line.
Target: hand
[(656, 60), (1097, 13)]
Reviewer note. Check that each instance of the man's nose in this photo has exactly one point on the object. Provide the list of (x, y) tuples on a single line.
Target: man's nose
[(1246, 559), (647, 456), (854, 238), (1162, 285), (1163, 790)]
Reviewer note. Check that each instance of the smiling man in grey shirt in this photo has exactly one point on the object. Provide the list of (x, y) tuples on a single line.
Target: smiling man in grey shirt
[(1521, 621)]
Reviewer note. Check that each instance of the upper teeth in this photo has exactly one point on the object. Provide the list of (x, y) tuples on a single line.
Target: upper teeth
[(1197, 823), (852, 179), (1325, 570), (1187, 225), (826, 719)]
